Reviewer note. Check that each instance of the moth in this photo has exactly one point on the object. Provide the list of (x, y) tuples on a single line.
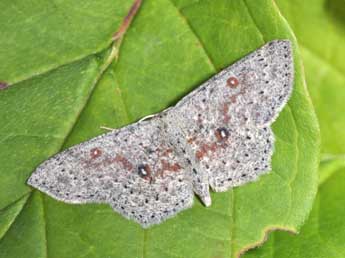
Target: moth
[(217, 137)]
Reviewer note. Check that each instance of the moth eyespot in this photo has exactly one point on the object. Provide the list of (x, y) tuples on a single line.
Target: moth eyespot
[(95, 153), (221, 134), (232, 82), (144, 170)]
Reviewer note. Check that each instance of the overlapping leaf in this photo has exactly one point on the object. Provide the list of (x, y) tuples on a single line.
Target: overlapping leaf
[(323, 234), (320, 29)]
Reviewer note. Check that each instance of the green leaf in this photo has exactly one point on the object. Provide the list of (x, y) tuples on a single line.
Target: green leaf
[(323, 234), (320, 29), (38, 36), (170, 48)]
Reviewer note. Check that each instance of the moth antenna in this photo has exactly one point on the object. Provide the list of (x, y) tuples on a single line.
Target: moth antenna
[(107, 128), (147, 117)]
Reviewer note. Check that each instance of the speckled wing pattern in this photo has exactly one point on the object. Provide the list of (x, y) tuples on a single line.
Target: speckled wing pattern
[(218, 136)]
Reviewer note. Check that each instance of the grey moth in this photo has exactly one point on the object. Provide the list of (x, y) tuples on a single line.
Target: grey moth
[(218, 137)]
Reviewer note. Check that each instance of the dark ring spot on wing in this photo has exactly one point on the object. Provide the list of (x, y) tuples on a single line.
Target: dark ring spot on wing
[(144, 171), (221, 134)]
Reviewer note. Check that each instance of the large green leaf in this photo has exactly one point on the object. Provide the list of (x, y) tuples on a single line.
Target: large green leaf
[(171, 47), (320, 29), (323, 234), (39, 35)]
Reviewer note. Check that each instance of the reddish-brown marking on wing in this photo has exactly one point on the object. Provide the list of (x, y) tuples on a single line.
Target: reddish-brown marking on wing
[(225, 113), (96, 162), (233, 98), (232, 82), (166, 166), (95, 153), (123, 161), (199, 155), (205, 149)]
